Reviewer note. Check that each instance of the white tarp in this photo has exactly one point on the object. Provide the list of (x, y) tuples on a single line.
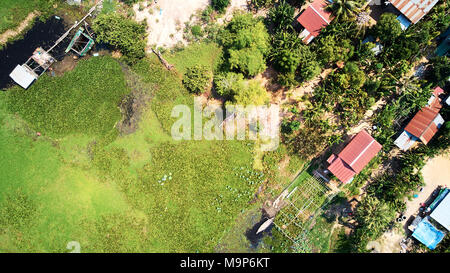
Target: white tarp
[(22, 76), (442, 213)]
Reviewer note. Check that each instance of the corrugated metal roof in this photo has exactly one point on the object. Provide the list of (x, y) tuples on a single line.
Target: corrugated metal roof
[(341, 170), (442, 213), (405, 141), (437, 91), (422, 125), (360, 151), (355, 156), (314, 18), (23, 76), (414, 10)]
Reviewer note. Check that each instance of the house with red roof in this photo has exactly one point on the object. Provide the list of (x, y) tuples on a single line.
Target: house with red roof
[(354, 157), (313, 19), (424, 125)]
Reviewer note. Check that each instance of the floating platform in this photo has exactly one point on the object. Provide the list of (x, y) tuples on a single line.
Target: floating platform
[(33, 68)]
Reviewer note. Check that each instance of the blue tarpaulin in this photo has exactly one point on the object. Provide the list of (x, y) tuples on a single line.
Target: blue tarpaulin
[(404, 22), (428, 234)]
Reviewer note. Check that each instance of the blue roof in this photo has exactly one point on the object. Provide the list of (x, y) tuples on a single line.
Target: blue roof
[(404, 22), (428, 234)]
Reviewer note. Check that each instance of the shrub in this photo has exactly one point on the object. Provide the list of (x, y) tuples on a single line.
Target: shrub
[(130, 2), (197, 31), (439, 72), (124, 34), (287, 79), (387, 28), (289, 126), (220, 5), (247, 60), (227, 84), (257, 4), (251, 94), (197, 78)]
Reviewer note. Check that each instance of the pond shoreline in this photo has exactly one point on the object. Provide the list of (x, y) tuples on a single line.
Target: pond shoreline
[(11, 35), (41, 34)]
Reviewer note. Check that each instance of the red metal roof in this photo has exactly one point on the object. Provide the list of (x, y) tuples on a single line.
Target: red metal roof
[(314, 18), (422, 125), (341, 170), (354, 157), (437, 91), (414, 10)]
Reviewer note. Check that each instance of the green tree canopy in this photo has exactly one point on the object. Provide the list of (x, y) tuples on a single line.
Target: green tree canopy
[(281, 16), (439, 71), (124, 34), (246, 42), (251, 93), (387, 28), (197, 78), (228, 84), (344, 10)]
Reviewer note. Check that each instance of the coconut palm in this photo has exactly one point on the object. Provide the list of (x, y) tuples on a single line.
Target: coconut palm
[(362, 20), (344, 10)]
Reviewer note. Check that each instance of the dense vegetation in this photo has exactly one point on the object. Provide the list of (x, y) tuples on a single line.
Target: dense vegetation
[(83, 101), (246, 44), (197, 79), (124, 34), (146, 192)]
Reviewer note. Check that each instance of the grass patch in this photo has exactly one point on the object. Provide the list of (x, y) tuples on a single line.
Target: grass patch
[(81, 101), (110, 6), (204, 53), (143, 192), (13, 12)]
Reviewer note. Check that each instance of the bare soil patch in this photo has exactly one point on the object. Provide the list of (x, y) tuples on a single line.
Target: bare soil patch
[(166, 19)]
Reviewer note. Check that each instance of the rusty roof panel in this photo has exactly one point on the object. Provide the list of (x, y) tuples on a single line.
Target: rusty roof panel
[(421, 124), (414, 10)]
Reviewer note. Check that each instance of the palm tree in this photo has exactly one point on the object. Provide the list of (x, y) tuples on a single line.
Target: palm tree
[(362, 20), (344, 9)]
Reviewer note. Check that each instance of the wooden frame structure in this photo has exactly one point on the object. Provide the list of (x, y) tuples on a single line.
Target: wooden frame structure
[(81, 42)]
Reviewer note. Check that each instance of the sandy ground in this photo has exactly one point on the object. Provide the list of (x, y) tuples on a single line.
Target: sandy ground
[(389, 242), (234, 5), (365, 122), (13, 32), (166, 19), (436, 172)]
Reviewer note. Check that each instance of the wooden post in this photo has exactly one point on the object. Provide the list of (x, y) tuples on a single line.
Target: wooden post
[(163, 61)]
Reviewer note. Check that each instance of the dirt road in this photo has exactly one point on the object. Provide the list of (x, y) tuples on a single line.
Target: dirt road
[(436, 172), (10, 33)]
